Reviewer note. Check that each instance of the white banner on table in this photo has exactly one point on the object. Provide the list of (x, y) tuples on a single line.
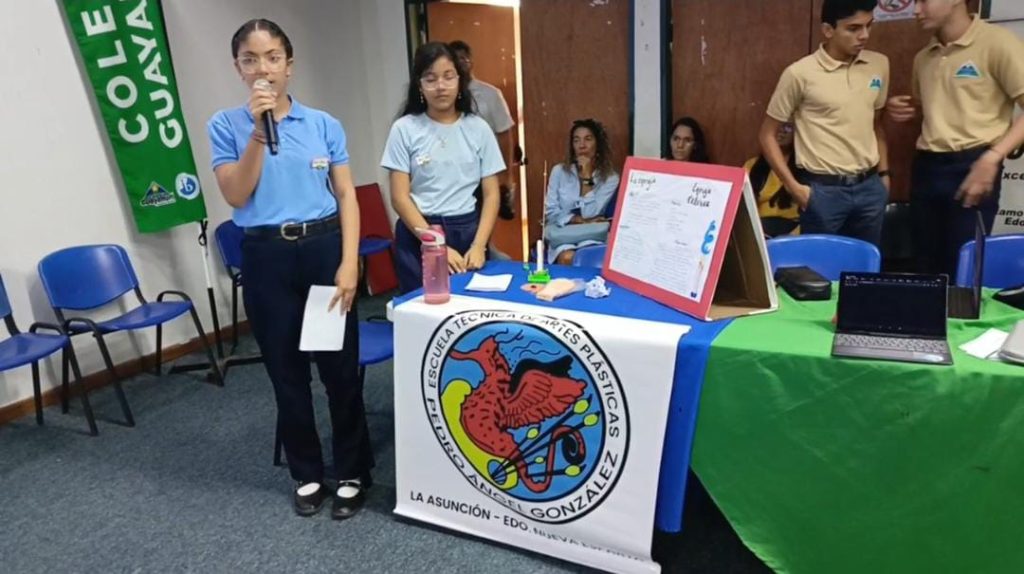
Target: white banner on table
[(536, 427)]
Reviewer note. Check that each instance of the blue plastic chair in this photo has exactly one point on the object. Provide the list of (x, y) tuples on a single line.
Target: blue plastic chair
[(829, 255), (589, 256), (229, 244), (609, 210), (372, 245), (89, 277), (376, 344), (29, 348), (1004, 262)]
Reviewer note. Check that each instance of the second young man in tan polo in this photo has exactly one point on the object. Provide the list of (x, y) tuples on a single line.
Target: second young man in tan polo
[(834, 97), (966, 81)]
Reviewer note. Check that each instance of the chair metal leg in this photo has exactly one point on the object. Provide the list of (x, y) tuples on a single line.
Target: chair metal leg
[(121, 398), (37, 393), (159, 347), (64, 381), (278, 447), (215, 372), (82, 394), (234, 317)]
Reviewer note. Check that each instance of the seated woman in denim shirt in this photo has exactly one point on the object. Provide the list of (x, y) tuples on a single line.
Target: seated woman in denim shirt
[(580, 190)]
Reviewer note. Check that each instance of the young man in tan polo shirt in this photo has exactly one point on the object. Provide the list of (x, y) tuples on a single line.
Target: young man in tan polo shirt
[(966, 81), (834, 96)]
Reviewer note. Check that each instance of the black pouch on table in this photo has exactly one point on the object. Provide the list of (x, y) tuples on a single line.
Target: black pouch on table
[(803, 283), (1012, 296)]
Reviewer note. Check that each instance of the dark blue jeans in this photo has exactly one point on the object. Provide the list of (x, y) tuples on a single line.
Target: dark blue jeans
[(941, 224), (459, 232), (277, 276), (851, 210)]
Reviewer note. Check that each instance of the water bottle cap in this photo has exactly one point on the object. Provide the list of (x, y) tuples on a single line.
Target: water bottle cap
[(430, 237)]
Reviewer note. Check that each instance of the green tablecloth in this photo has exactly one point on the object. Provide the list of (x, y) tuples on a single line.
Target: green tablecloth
[(828, 465)]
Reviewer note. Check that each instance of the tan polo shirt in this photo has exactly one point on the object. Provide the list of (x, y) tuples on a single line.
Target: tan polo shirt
[(967, 88), (833, 105)]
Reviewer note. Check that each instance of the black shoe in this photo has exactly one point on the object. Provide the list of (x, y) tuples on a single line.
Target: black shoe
[(349, 505), (309, 504)]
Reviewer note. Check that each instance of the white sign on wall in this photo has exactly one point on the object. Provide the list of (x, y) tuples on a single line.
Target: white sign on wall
[(894, 10), (1010, 218)]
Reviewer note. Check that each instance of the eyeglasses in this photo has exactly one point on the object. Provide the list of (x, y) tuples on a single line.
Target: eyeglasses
[(434, 82), (274, 62)]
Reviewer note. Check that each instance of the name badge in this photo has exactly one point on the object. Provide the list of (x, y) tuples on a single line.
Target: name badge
[(320, 163), (423, 159)]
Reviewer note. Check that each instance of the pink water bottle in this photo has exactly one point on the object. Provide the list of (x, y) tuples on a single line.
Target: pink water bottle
[(436, 288)]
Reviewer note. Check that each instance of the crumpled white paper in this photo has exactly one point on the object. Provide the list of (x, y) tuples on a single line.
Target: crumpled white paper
[(596, 288)]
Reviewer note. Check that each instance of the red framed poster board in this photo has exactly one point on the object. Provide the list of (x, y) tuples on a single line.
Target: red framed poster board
[(687, 235)]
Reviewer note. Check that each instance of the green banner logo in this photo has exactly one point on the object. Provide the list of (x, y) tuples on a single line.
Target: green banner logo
[(124, 48)]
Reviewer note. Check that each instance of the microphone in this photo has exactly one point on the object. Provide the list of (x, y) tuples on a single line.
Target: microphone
[(269, 126)]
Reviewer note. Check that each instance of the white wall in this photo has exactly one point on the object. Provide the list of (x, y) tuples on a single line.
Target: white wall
[(647, 105), (60, 186), (1007, 10)]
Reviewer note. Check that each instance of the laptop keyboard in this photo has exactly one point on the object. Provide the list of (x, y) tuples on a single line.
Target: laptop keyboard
[(937, 346)]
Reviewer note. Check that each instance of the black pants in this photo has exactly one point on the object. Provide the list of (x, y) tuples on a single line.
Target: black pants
[(277, 276), (941, 224)]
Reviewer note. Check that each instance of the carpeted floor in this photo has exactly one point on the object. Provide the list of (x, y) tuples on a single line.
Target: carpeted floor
[(191, 489)]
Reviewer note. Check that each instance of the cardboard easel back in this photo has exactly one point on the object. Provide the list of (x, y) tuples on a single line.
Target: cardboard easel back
[(745, 285)]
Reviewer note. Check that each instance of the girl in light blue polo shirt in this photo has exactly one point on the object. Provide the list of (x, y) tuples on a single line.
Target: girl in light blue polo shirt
[(438, 153), (301, 220)]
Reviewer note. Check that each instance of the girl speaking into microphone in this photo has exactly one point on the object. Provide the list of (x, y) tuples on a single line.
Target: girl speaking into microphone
[(301, 220)]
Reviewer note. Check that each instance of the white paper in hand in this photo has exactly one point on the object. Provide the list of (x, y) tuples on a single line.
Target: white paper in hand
[(489, 283), (322, 330)]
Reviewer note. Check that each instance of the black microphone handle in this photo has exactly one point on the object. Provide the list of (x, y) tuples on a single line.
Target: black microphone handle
[(270, 129)]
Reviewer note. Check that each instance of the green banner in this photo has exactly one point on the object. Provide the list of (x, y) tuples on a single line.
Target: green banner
[(124, 48)]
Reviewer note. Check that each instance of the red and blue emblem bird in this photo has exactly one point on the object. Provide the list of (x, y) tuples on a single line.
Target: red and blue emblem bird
[(534, 393)]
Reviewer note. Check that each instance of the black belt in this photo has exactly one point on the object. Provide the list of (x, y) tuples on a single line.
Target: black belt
[(806, 177), (965, 155), (291, 231)]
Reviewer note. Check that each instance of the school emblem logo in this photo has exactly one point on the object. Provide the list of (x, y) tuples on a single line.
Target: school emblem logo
[(529, 410), (876, 83), (157, 196), (967, 70), (187, 186)]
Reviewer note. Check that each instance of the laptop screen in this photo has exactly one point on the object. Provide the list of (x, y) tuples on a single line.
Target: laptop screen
[(893, 304)]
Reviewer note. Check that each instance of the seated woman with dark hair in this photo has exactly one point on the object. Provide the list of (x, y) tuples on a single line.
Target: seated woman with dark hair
[(778, 212), (579, 192), (687, 143)]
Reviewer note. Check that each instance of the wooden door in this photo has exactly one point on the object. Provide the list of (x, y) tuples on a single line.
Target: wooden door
[(490, 32), (575, 65), (900, 40), (727, 56)]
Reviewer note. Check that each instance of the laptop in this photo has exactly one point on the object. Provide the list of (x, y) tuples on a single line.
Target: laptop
[(892, 317), (965, 302)]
